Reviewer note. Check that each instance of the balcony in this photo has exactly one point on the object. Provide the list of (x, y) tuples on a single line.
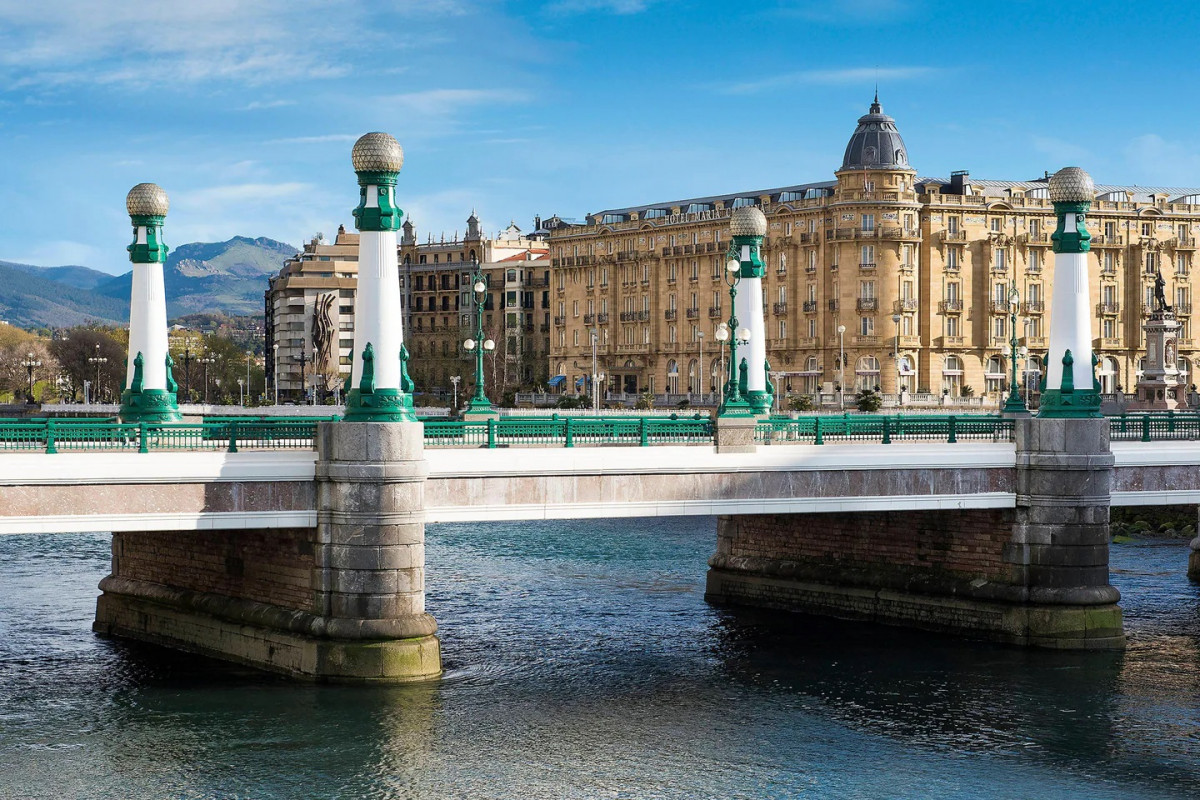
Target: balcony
[(779, 308), (1182, 308), (1108, 343), (560, 320), (1185, 243), (808, 342), (693, 313), (833, 305), (1033, 307), (714, 312), (1035, 342), (544, 328), (952, 341), (952, 266), (910, 341), (633, 348), (810, 237), (1037, 239), (643, 316), (954, 236), (906, 304), (670, 314), (867, 304), (1108, 241), (867, 265), (810, 306), (1109, 309), (602, 318), (998, 307), (588, 319), (865, 340), (1186, 344), (810, 268), (628, 316)]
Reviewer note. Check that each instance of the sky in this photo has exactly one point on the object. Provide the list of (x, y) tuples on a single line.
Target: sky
[(245, 112)]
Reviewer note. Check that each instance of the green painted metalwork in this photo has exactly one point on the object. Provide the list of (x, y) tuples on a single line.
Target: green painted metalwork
[(387, 216), (1076, 240), (153, 251)]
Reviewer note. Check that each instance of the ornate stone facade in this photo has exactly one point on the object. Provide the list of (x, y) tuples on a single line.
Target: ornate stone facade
[(894, 258)]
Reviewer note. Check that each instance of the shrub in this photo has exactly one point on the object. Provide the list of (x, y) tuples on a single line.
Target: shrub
[(868, 401), (800, 402)]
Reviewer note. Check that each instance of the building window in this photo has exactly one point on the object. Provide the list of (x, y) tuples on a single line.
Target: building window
[(866, 326), (868, 221)]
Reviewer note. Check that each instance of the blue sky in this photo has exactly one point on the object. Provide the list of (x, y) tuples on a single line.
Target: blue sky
[(246, 111)]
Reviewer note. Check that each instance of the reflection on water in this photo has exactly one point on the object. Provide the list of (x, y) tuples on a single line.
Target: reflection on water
[(582, 662)]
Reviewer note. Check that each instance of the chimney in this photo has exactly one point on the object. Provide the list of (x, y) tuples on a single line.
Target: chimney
[(959, 181)]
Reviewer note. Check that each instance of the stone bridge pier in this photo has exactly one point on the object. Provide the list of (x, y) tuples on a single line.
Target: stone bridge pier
[(1034, 575), (344, 601)]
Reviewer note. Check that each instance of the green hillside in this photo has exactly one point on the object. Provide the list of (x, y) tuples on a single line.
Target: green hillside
[(30, 299)]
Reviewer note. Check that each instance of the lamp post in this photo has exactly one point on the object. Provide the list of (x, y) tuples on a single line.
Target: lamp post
[(275, 369), (479, 404), (1014, 404), (316, 377), (1024, 353), (206, 360), (454, 379), (30, 363), (841, 330), (98, 360), (595, 390), (896, 355), (187, 368), (241, 392), (699, 364), (249, 355), (303, 359), (733, 404)]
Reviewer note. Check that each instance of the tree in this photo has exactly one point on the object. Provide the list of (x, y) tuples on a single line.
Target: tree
[(74, 349), (869, 401), (17, 347)]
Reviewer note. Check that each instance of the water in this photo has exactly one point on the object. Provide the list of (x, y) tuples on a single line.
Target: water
[(582, 662)]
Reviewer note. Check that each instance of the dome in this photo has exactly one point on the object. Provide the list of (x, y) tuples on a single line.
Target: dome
[(147, 200), (876, 144), (748, 221), (1072, 185), (377, 152)]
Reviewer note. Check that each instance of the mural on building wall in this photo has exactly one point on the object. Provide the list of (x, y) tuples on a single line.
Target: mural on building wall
[(322, 336)]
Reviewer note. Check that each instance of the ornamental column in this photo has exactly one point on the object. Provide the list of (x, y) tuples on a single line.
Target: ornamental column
[(378, 389), (149, 395), (748, 226), (1070, 388)]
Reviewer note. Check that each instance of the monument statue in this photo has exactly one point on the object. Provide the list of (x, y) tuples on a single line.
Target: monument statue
[(1160, 294)]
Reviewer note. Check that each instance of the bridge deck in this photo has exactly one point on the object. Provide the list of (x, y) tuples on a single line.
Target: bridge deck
[(198, 490)]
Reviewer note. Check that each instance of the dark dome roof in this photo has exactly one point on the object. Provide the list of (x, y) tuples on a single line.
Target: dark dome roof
[(876, 144)]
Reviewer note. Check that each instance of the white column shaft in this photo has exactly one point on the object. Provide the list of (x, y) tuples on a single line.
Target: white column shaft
[(750, 316), (377, 317), (148, 324), (1070, 320)]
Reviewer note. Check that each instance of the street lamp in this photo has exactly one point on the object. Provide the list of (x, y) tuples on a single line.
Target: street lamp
[(275, 369), (699, 365), (206, 360), (1024, 353), (841, 330), (188, 341), (896, 355), (249, 355), (241, 392), (454, 379), (595, 392), (1014, 404), (303, 359), (479, 403), (98, 360), (30, 363), (733, 403)]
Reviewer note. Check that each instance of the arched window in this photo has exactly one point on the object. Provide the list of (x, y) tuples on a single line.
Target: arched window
[(1033, 374), (952, 375), (693, 377), (810, 379), (672, 377), (1108, 373), (866, 373), (907, 373), (993, 375)]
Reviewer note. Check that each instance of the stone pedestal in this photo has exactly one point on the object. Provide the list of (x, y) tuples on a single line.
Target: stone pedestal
[(734, 434), (1194, 560), (342, 602), (1159, 388), (1060, 538)]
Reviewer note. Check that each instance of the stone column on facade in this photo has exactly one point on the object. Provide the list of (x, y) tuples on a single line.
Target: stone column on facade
[(379, 388), (748, 226), (370, 566), (150, 389)]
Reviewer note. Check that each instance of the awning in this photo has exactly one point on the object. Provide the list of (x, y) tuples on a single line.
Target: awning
[(579, 381), (557, 381)]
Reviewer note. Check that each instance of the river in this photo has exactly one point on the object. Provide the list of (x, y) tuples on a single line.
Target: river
[(581, 661)]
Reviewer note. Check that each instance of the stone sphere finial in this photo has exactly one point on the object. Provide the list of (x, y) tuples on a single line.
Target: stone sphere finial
[(147, 200), (1072, 185), (748, 221), (377, 152)]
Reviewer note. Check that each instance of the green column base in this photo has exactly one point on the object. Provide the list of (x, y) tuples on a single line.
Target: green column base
[(149, 405), (381, 405), (1069, 405), (480, 408), (760, 402)]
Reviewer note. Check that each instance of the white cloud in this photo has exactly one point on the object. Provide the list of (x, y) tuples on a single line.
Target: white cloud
[(446, 102), (830, 77), (321, 139), (603, 6), (1160, 161), (259, 105)]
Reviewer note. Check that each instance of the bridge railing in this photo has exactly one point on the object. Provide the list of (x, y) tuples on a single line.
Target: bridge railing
[(53, 436), (569, 432), (883, 429), (1155, 426)]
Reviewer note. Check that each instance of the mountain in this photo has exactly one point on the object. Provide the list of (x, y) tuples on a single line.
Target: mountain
[(226, 277), (56, 297)]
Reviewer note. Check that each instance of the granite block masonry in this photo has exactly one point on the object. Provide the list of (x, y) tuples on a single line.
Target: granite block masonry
[(1035, 575), (342, 602)]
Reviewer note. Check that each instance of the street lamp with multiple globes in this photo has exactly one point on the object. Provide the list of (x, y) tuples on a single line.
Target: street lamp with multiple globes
[(896, 355), (454, 379), (188, 341), (479, 404), (275, 369), (206, 360), (733, 404), (1014, 404), (98, 360), (841, 330), (30, 363)]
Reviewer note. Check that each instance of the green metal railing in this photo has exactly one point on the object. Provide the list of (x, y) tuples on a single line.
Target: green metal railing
[(1155, 426), (569, 432), (819, 429), (54, 436)]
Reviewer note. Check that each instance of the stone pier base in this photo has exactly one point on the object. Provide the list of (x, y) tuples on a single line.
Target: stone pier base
[(343, 602), (1194, 560)]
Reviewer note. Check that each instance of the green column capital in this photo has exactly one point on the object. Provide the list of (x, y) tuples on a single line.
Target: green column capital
[(1077, 239), (754, 266), (386, 216)]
